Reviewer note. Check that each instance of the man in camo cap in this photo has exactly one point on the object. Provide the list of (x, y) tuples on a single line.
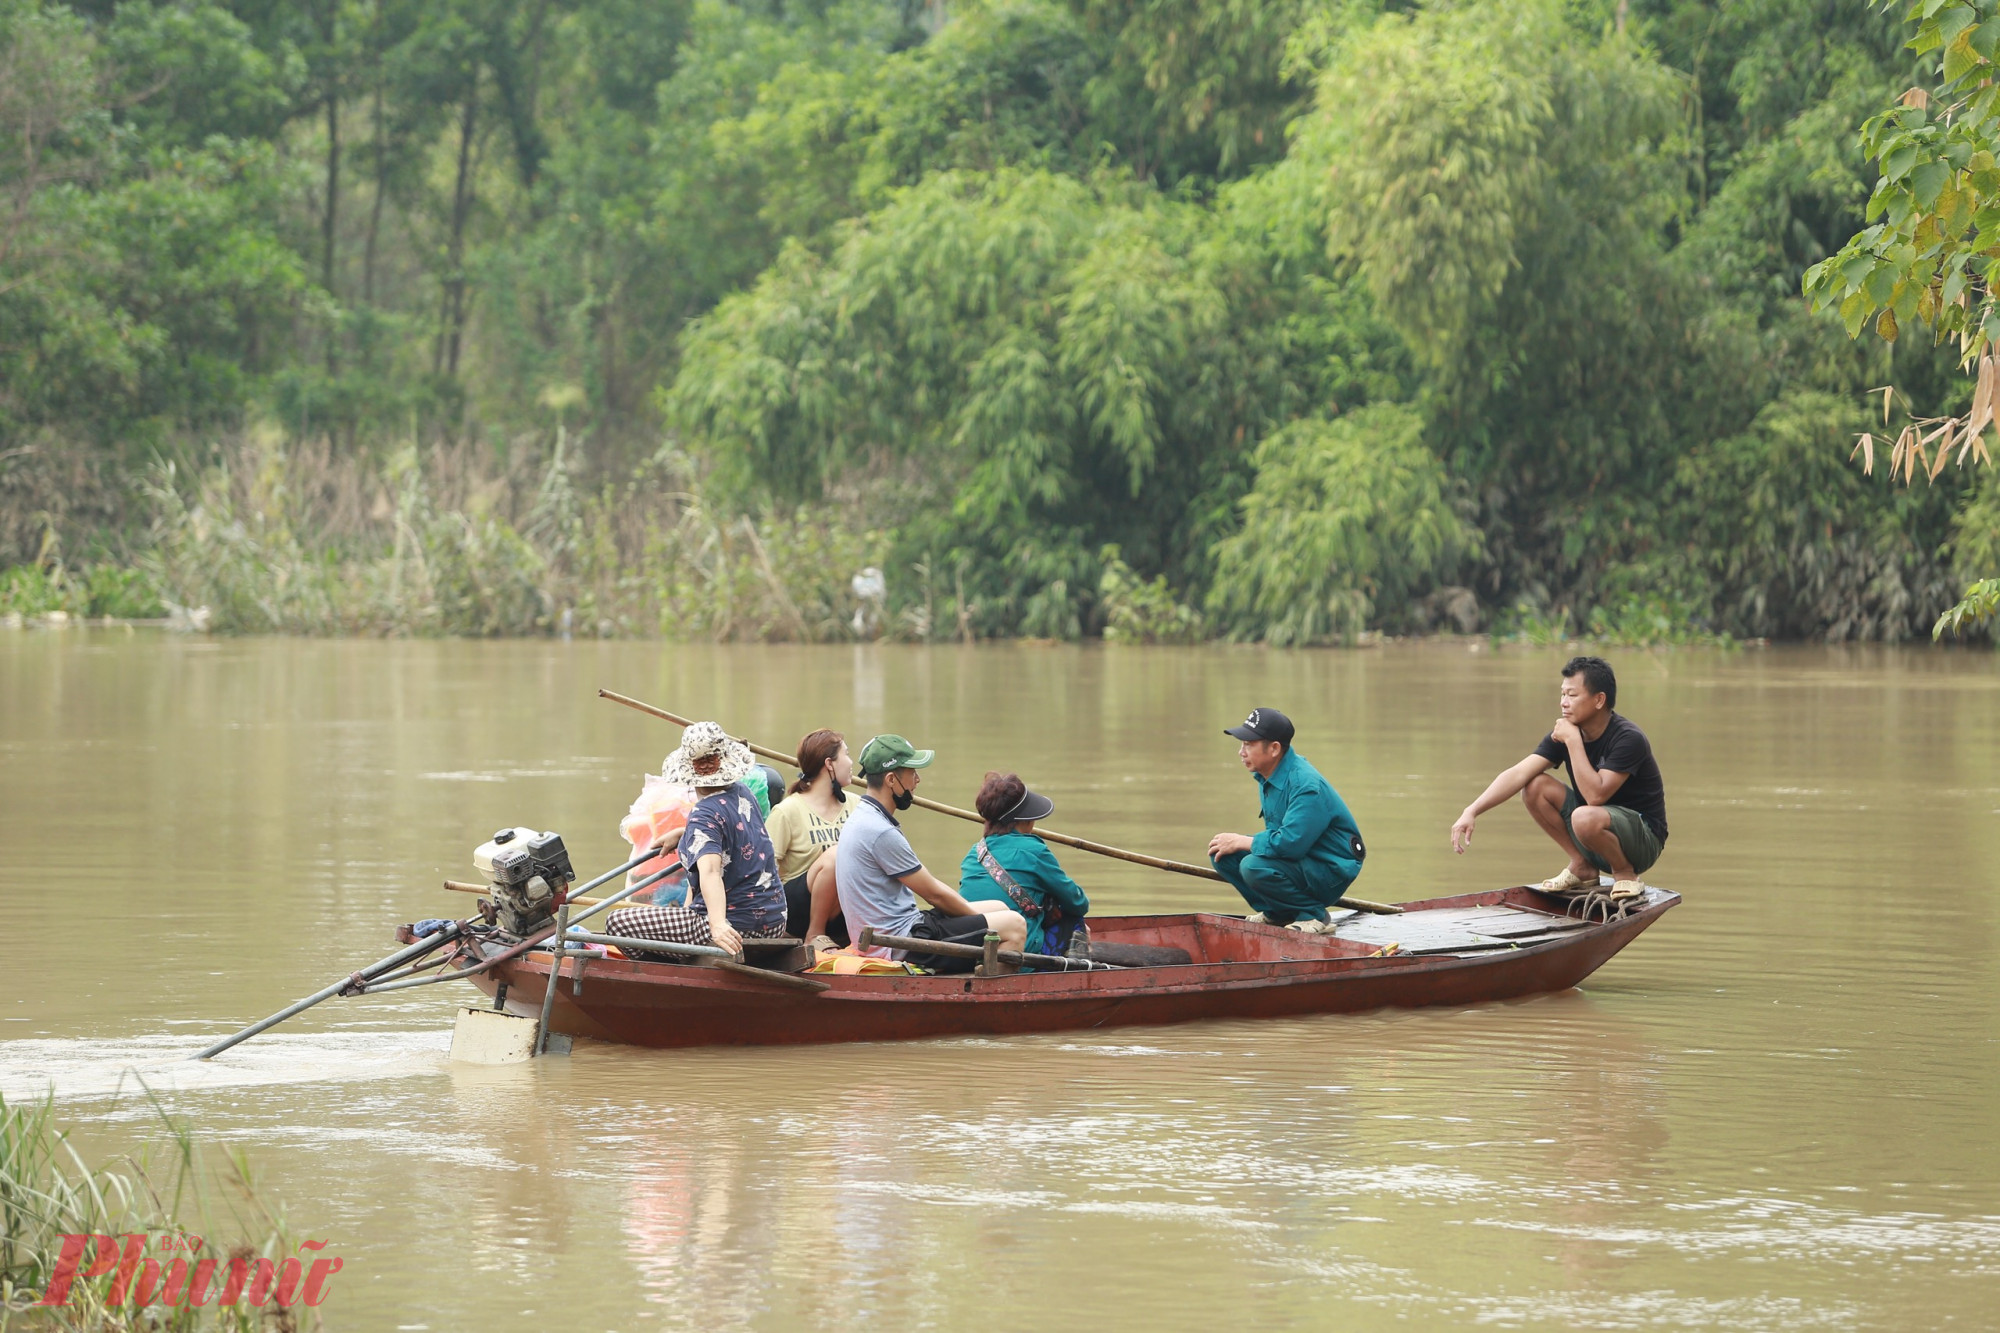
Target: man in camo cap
[(879, 876)]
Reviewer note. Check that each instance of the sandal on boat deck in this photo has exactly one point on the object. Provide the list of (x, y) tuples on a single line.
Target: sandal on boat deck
[(1627, 889), (1566, 883)]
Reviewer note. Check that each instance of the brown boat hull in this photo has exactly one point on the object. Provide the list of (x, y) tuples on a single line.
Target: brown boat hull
[(1255, 972)]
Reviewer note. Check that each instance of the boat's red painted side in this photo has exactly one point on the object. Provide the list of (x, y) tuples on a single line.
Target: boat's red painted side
[(1253, 972)]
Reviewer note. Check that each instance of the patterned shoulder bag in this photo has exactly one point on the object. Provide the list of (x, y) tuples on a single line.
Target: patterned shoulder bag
[(1023, 903), (1057, 929)]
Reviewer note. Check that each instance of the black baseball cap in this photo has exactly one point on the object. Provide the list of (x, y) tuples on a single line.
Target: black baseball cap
[(1263, 724)]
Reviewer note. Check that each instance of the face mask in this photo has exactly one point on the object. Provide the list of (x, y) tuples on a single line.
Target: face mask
[(903, 799)]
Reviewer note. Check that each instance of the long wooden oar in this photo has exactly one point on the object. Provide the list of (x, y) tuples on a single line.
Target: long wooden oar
[(1050, 835)]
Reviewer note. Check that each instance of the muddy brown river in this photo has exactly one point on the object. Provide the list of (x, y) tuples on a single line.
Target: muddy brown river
[(1778, 1109)]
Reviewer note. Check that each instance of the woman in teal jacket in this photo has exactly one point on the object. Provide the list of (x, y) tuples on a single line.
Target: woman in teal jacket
[(1011, 864)]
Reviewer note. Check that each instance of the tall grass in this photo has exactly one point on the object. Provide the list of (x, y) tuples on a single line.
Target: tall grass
[(301, 542), (270, 536), (48, 1192)]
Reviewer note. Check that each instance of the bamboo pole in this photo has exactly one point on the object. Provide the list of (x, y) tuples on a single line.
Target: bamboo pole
[(459, 886), (454, 930), (871, 938), (1047, 834)]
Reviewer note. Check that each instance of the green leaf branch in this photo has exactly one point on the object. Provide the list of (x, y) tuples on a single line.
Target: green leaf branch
[(1933, 232), (1929, 249)]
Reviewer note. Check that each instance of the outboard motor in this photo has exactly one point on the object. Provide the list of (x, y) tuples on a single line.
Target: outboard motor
[(526, 869)]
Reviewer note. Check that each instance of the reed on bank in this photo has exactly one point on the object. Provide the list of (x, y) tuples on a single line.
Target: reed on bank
[(255, 533), (445, 543), (166, 1193), (260, 537)]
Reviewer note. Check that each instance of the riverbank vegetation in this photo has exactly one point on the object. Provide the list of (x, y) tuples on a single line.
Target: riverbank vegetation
[(1280, 320), (160, 1212)]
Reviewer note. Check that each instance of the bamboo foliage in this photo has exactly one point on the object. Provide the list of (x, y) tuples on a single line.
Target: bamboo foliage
[(1926, 443), (1980, 605), (971, 293), (1343, 512), (1076, 365), (1935, 214)]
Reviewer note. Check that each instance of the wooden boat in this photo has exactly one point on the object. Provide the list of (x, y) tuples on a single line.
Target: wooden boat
[(1449, 951)]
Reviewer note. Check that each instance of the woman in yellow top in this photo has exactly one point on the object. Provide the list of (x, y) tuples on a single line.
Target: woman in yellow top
[(804, 828)]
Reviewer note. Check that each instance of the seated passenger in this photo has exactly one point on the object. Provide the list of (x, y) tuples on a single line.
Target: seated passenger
[(879, 877), (1011, 862), (805, 827), (737, 894)]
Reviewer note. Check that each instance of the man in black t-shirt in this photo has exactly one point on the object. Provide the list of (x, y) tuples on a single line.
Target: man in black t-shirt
[(1614, 819)]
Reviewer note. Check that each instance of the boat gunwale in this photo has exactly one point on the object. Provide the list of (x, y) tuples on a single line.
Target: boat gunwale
[(1054, 986)]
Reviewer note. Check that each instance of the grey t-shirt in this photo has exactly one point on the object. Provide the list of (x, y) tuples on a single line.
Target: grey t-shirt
[(868, 863)]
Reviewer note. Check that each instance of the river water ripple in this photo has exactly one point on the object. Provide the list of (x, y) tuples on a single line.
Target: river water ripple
[(1776, 1110)]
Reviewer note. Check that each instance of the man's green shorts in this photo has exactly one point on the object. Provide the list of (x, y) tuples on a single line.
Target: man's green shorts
[(1635, 836)]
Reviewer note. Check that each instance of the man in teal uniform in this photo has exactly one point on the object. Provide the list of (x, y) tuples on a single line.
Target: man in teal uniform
[(1310, 850)]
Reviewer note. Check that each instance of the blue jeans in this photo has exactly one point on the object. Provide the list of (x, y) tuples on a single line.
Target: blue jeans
[(1277, 888)]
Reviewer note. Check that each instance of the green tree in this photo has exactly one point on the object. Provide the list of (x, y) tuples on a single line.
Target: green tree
[(1345, 514), (1504, 179), (1927, 255), (1029, 366), (142, 270), (1195, 88)]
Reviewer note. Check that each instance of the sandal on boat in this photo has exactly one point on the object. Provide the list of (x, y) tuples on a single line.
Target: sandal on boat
[(1307, 925), (823, 944), (1258, 919), (1566, 883), (1627, 889)]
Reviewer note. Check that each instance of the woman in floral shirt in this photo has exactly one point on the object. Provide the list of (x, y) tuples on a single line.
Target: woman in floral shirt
[(736, 894)]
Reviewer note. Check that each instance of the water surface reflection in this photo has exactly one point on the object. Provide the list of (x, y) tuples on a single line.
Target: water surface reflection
[(1775, 1111)]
